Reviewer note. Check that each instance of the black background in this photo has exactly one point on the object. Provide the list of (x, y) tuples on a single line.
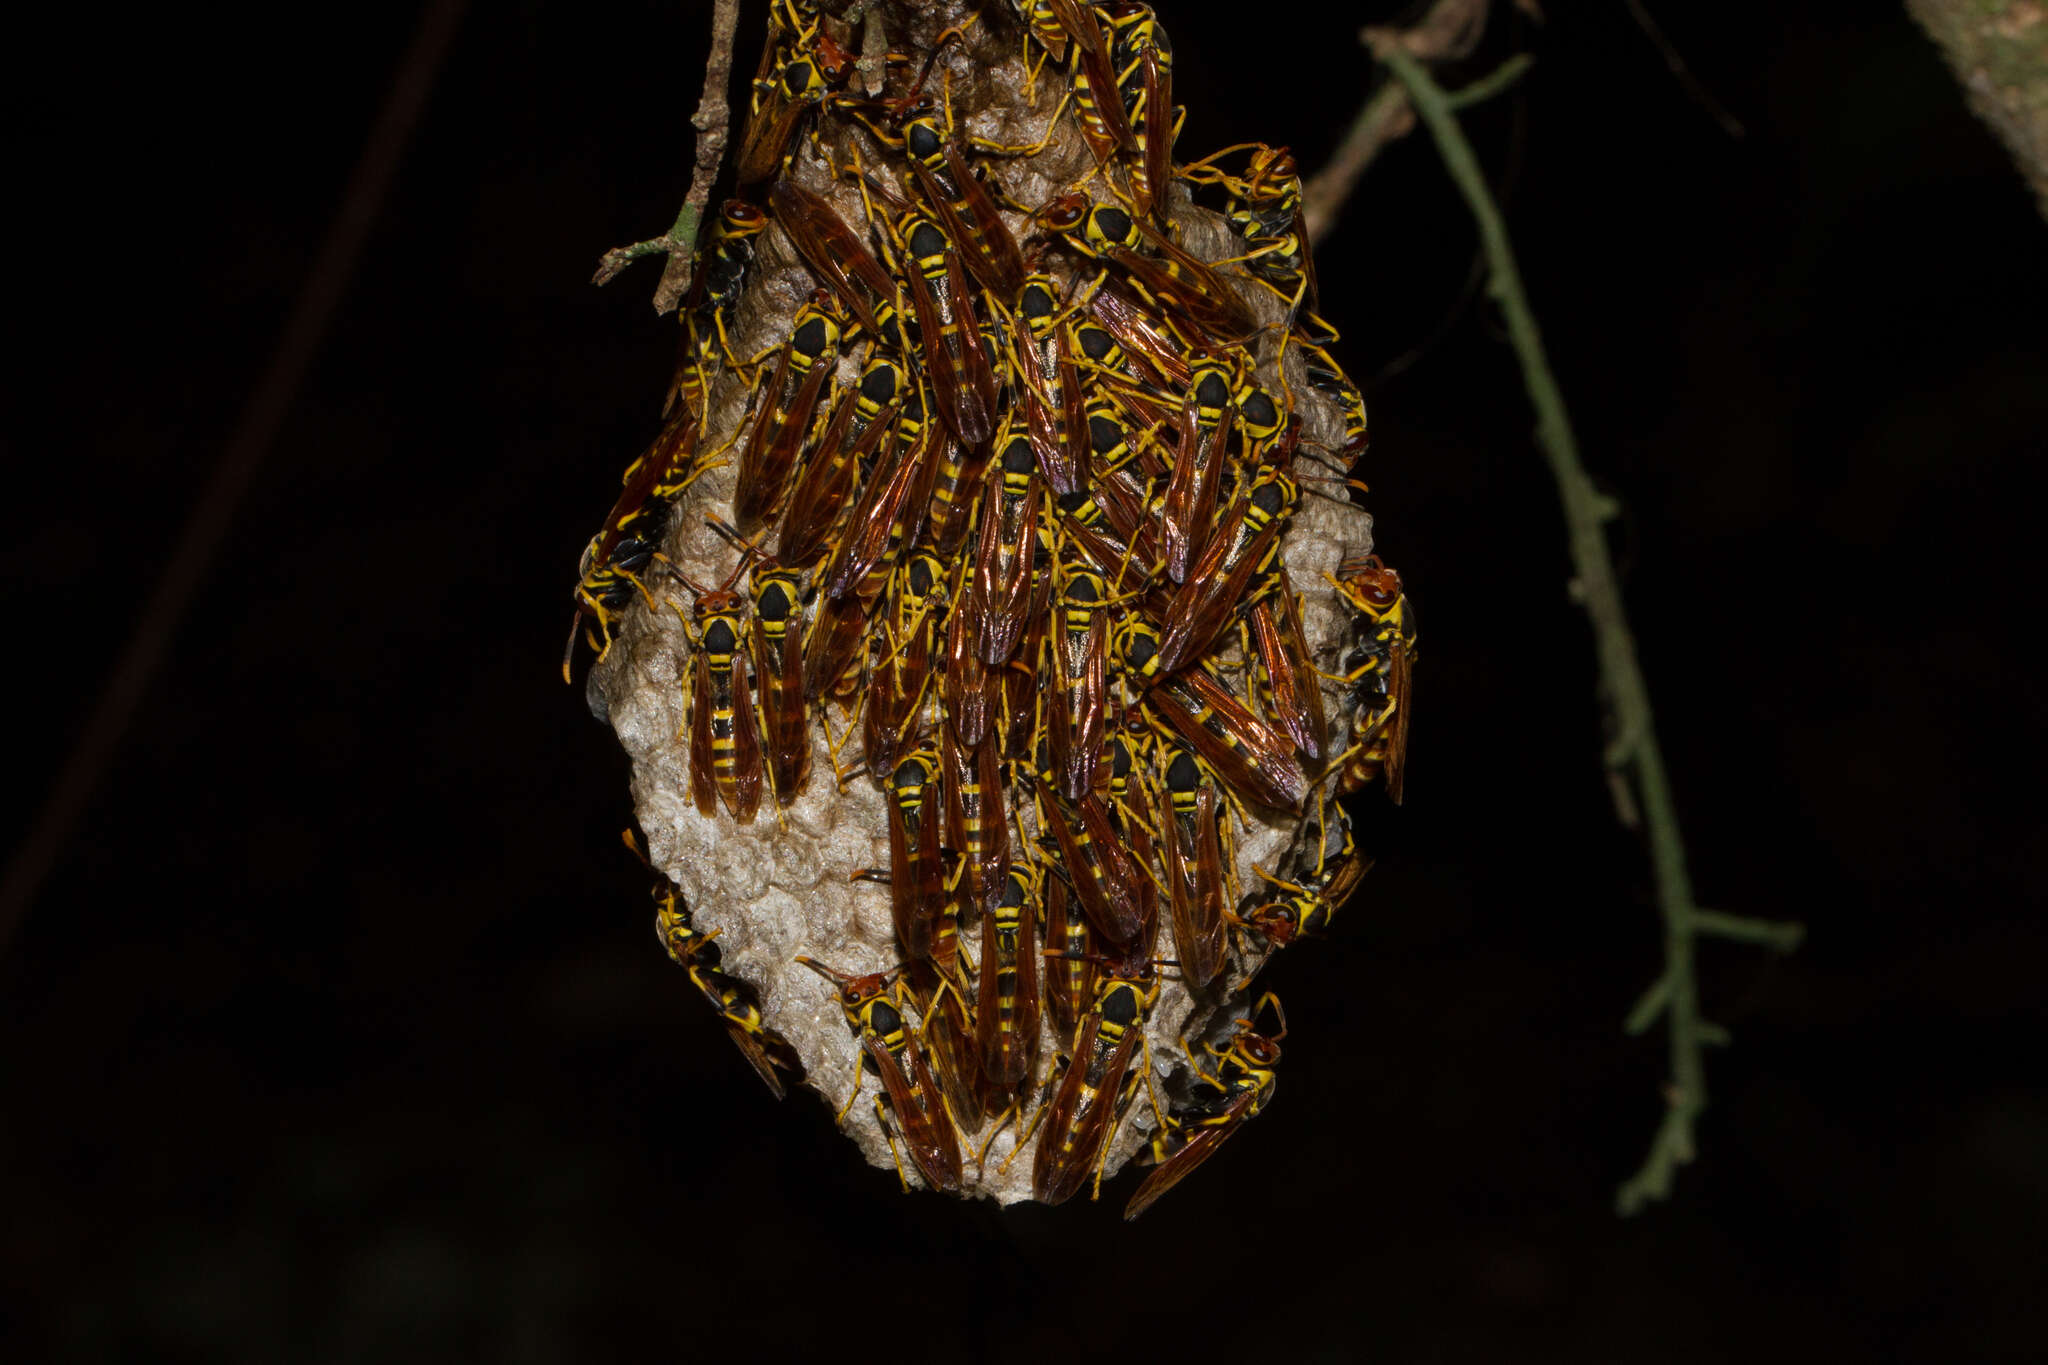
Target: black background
[(339, 1032)]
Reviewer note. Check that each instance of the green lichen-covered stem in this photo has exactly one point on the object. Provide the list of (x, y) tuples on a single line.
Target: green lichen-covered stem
[(1676, 994)]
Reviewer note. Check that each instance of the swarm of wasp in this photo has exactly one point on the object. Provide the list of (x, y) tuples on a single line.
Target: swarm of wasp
[(990, 619)]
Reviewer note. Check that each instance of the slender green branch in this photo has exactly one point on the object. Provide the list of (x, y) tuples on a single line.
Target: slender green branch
[(1774, 934), (1676, 994), (1492, 83)]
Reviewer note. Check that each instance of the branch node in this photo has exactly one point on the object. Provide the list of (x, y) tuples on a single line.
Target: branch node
[(1625, 808), (1649, 1007), (1494, 82), (1778, 935)]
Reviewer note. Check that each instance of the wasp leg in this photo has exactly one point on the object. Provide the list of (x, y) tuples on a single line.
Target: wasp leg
[(881, 1117)]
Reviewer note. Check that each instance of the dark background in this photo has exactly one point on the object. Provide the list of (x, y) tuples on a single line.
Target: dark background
[(339, 1033)]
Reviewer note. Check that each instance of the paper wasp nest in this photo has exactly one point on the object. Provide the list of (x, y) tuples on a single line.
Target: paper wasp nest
[(782, 885)]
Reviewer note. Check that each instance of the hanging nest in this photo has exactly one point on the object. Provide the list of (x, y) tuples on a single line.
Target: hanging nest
[(990, 625)]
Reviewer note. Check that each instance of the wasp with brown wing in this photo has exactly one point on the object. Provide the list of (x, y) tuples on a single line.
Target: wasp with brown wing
[(725, 747), (1095, 1085), (1055, 412), (1101, 870), (917, 889), (1195, 868), (722, 263), (1122, 337), (955, 353), (955, 490), (1171, 277), (1004, 558), (1246, 542), (1006, 1015), (976, 821), (1266, 210), (837, 256), (1381, 675), (1078, 654), (1144, 65), (609, 574), (798, 74), (777, 647), (963, 207), (939, 990), (1198, 468), (888, 515), (1239, 1084), (899, 676), (697, 953), (1285, 677), (1250, 755), (1071, 965), (787, 404), (873, 1012), (970, 689), (1098, 104), (1319, 872), (863, 417)]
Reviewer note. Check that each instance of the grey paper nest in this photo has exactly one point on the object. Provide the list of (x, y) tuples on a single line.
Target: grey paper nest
[(781, 886)]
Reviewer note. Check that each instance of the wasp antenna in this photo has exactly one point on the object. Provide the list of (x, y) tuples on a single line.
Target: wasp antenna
[(822, 970), (632, 843), (1268, 999), (569, 650), (731, 536)]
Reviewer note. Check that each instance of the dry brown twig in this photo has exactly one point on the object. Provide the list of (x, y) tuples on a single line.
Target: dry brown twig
[(1450, 30), (712, 121)]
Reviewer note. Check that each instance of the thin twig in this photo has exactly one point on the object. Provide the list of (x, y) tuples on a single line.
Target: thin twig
[(1682, 73), (1635, 750), (873, 65), (712, 121), (269, 403), (1447, 31), (1385, 118), (1492, 83)]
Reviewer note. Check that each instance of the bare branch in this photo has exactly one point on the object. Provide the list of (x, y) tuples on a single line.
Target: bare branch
[(1682, 73), (1449, 30), (713, 120), (1385, 118)]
